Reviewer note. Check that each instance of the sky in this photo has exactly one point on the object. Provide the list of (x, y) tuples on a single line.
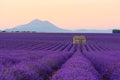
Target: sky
[(67, 14)]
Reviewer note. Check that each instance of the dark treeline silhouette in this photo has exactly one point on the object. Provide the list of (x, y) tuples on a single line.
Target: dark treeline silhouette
[(116, 31), (19, 31)]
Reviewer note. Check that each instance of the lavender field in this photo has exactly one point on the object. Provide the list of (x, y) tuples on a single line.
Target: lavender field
[(53, 56)]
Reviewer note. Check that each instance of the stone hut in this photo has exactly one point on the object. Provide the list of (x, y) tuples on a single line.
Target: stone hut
[(79, 40)]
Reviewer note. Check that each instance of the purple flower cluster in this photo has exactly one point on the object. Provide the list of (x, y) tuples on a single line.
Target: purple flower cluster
[(45, 56), (106, 63), (77, 68), (31, 66)]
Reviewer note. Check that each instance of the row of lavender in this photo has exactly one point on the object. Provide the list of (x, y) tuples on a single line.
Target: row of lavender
[(34, 65), (36, 56), (35, 41), (77, 68), (107, 63)]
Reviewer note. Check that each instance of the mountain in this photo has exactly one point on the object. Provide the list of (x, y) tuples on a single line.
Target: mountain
[(38, 26), (46, 26), (93, 31)]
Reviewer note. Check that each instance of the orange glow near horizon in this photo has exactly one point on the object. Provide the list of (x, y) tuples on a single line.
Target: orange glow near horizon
[(67, 14)]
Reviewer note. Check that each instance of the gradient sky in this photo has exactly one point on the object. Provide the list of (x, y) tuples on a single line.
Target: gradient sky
[(67, 14)]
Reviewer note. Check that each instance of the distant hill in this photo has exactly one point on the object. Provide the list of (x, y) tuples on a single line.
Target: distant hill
[(93, 31), (38, 26), (46, 26)]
